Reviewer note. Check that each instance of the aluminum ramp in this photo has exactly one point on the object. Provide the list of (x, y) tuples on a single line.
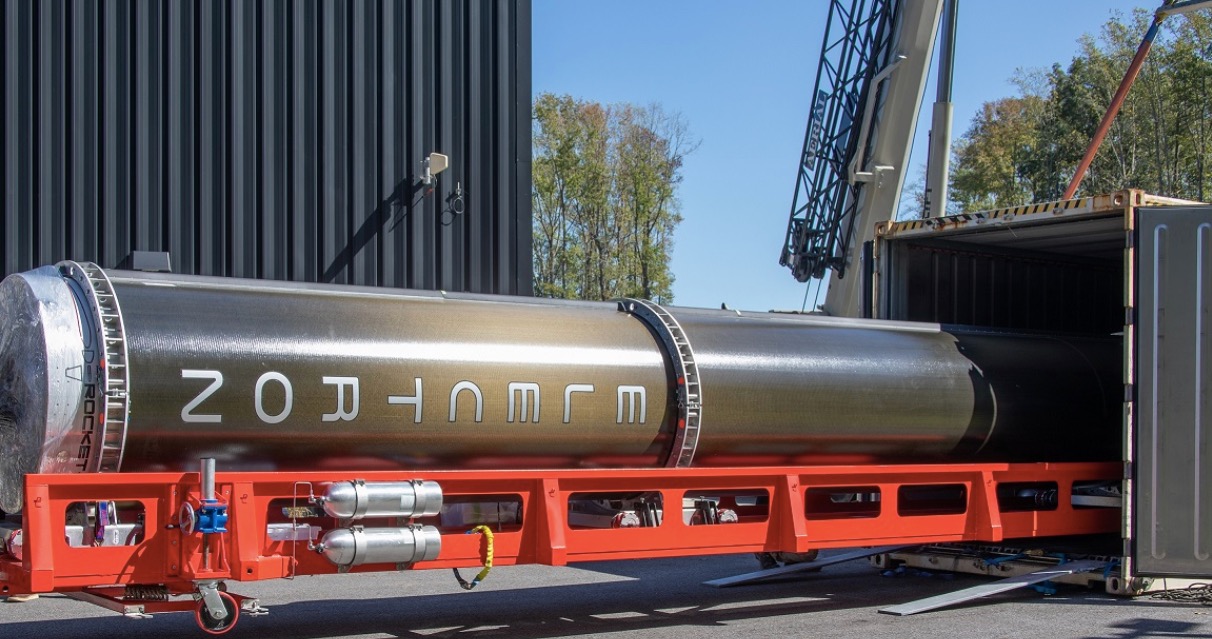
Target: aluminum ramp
[(984, 590), (789, 569)]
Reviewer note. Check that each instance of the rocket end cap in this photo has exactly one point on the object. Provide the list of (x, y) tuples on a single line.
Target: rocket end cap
[(41, 361)]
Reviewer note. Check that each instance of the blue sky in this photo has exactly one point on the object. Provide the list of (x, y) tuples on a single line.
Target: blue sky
[(742, 75)]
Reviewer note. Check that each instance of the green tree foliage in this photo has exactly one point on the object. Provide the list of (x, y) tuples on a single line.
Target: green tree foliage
[(1026, 148), (990, 156), (605, 198)]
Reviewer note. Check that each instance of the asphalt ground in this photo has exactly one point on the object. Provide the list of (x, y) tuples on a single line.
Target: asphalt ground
[(662, 598)]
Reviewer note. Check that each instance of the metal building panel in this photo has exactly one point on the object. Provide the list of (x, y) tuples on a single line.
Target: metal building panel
[(520, 146), (273, 139), (1173, 398)]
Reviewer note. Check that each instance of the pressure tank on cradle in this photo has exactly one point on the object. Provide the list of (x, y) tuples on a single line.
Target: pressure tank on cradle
[(101, 372)]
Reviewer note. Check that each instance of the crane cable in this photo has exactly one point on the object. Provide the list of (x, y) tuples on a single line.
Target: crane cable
[(468, 585)]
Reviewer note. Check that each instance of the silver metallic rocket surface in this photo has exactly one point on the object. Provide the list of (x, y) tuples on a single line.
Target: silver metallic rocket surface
[(101, 372)]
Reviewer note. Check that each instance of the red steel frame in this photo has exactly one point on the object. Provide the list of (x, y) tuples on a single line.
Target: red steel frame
[(167, 555)]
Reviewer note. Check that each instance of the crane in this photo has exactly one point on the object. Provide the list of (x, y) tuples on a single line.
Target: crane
[(869, 84)]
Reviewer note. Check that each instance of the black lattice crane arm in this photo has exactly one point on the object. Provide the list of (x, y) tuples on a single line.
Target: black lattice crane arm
[(873, 69)]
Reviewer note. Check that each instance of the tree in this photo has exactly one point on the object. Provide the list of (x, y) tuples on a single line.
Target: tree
[(1026, 148), (558, 150), (605, 198), (990, 157)]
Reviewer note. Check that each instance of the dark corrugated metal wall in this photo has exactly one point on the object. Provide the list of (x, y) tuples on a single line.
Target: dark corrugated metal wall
[(273, 139)]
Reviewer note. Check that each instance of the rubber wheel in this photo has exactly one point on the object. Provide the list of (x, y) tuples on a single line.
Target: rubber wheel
[(213, 626)]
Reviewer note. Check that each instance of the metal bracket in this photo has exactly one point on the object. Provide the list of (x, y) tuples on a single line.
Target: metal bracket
[(856, 165), (208, 591), (253, 608)]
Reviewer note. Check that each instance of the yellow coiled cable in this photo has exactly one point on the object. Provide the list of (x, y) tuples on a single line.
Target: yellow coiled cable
[(468, 585)]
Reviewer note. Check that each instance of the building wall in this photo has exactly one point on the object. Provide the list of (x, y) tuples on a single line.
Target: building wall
[(271, 139)]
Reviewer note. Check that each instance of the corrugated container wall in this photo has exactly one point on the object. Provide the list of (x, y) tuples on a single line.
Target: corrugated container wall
[(274, 139)]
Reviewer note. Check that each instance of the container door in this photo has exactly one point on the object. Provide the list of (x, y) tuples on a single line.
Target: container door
[(1170, 424)]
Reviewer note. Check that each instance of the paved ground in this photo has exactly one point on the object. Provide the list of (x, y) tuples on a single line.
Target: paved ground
[(654, 598)]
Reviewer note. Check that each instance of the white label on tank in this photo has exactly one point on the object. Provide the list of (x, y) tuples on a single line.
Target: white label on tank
[(287, 403), (187, 413), (475, 390), (633, 395), (568, 391), (343, 384), (415, 400), (527, 391)]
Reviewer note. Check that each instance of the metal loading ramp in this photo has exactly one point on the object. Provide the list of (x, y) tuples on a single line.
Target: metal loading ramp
[(807, 566), (984, 590)]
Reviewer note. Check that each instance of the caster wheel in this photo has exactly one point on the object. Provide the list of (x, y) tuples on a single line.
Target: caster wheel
[(213, 626)]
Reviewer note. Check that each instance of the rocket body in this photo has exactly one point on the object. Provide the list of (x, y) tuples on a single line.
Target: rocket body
[(115, 371)]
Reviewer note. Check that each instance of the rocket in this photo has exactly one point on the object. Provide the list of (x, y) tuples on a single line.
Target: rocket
[(111, 371)]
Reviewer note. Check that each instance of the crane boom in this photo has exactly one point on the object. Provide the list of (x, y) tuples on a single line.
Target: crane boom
[(874, 65)]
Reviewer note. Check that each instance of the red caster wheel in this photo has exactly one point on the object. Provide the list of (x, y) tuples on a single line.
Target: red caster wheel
[(213, 626)]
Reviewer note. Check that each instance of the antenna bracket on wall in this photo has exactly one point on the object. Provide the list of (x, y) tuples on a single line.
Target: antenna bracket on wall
[(434, 164)]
